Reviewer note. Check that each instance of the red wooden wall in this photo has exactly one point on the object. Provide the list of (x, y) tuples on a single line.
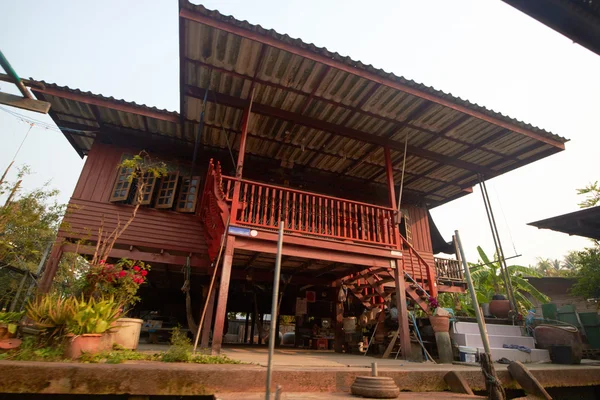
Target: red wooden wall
[(421, 240), (156, 229)]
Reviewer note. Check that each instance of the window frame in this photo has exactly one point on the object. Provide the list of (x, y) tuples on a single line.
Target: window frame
[(184, 190), (124, 173), (171, 177)]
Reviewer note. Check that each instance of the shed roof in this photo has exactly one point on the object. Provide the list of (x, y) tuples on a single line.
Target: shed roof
[(584, 223), (315, 109)]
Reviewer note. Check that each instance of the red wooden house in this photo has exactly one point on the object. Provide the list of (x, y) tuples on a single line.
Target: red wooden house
[(290, 132)]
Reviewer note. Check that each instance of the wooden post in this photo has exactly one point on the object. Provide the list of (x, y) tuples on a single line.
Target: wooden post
[(46, 281), (208, 321), (240, 160), (277, 327), (253, 326), (261, 317), (246, 332), (338, 319), (404, 331), (223, 294)]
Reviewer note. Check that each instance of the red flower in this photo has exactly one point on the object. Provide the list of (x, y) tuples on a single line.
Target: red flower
[(102, 262), (122, 274), (144, 273), (136, 268)]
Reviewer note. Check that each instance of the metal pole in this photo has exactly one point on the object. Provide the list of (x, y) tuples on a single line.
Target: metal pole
[(480, 320), (496, 244), (272, 334), (13, 305), (509, 288)]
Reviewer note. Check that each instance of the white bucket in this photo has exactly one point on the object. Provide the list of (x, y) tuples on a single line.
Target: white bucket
[(467, 354), (349, 324), (127, 332)]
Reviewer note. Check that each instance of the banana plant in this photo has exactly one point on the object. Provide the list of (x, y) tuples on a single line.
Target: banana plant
[(488, 281)]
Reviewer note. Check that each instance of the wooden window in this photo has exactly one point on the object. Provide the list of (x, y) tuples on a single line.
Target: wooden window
[(122, 185), (188, 194), (166, 190), (148, 190)]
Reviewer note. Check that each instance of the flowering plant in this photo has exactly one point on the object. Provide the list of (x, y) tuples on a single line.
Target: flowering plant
[(433, 304), (120, 280)]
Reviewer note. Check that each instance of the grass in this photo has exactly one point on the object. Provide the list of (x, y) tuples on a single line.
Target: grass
[(36, 349)]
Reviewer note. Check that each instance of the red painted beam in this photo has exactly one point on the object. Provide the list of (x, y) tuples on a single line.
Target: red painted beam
[(372, 76), (262, 109), (111, 104)]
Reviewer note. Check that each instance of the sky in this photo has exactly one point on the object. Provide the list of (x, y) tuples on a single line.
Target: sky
[(481, 50)]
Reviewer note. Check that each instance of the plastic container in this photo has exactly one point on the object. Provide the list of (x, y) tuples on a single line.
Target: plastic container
[(467, 354), (127, 332), (349, 324)]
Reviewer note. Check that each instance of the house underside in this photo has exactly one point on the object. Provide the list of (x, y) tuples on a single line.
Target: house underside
[(285, 132)]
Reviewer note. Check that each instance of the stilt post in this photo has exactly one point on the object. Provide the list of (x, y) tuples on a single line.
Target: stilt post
[(208, 321), (404, 330), (223, 294)]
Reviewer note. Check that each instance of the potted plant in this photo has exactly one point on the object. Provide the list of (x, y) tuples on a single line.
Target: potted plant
[(122, 281), (8, 324), (91, 319), (47, 313), (439, 318)]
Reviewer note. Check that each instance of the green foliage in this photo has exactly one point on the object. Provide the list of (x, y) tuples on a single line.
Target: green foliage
[(592, 192), (34, 349), (460, 302), (142, 165), (181, 348), (117, 356), (588, 275), (11, 317), (51, 311), (553, 268), (28, 222), (488, 280), (93, 316)]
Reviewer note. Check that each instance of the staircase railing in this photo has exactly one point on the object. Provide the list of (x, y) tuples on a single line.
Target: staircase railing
[(214, 210), (262, 205), (410, 267), (448, 269)]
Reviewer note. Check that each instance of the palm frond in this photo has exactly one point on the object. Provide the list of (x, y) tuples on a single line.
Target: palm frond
[(527, 271)]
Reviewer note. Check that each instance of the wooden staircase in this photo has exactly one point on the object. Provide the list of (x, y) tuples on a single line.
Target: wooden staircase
[(375, 286)]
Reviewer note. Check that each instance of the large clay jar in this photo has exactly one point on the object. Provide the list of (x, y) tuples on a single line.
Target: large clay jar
[(500, 308), (439, 323), (86, 343)]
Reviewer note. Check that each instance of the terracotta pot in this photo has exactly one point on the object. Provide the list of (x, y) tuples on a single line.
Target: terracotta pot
[(439, 323), (500, 308), (86, 343)]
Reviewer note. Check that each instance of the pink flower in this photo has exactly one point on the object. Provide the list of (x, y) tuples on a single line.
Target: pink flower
[(102, 262), (136, 268), (144, 273), (122, 274)]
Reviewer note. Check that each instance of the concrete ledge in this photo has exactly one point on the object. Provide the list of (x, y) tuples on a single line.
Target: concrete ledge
[(154, 378)]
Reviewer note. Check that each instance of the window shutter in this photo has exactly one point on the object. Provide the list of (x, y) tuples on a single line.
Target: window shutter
[(166, 190), (122, 185), (188, 194)]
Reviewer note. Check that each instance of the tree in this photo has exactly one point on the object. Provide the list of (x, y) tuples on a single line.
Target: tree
[(554, 268), (593, 195), (28, 222), (488, 280), (588, 276)]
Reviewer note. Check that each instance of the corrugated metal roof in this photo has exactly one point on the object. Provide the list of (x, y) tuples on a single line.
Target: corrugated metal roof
[(225, 58), (82, 114)]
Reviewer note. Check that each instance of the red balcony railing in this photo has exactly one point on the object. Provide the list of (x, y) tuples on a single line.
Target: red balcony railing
[(262, 205)]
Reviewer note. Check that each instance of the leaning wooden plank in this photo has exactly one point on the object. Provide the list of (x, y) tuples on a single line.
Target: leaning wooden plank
[(24, 103), (456, 383), (528, 382)]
